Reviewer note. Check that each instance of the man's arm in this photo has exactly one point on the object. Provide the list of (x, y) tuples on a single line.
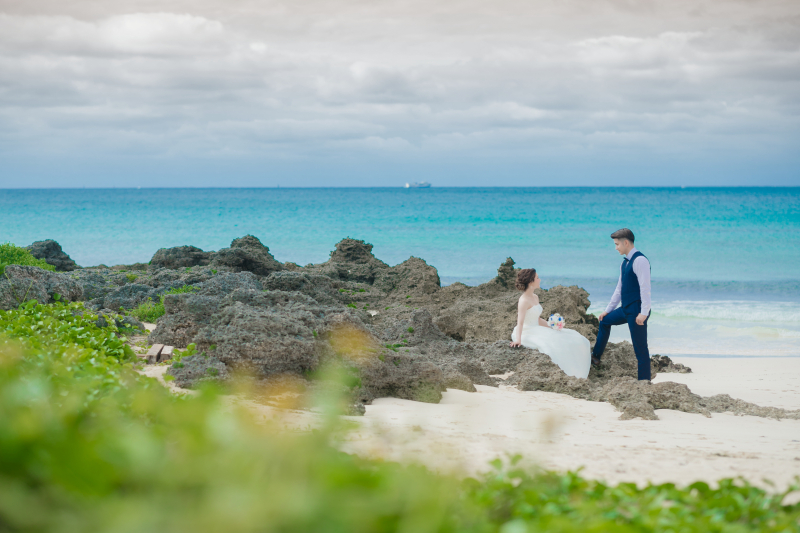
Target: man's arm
[(615, 299), (641, 267)]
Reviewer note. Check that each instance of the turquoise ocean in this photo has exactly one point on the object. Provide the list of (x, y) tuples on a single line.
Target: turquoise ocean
[(725, 261)]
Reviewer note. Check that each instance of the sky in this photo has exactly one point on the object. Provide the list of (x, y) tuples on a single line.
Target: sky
[(245, 93)]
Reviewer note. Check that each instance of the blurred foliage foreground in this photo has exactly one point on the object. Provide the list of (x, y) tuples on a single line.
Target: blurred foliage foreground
[(87, 444)]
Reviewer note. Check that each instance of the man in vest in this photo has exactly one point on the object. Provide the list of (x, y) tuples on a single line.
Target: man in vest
[(633, 290)]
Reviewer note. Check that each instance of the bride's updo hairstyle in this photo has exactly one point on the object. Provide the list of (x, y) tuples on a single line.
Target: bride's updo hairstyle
[(525, 277)]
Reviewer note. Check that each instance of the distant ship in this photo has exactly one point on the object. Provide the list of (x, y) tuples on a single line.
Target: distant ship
[(418, 185)]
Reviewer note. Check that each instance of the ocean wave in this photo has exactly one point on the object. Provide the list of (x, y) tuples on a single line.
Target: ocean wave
[(731, 310)]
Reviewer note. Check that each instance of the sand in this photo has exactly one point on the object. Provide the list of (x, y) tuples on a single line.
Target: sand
[(559, 432)]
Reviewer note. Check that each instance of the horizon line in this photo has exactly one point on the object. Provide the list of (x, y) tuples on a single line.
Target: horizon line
[(394, 187)]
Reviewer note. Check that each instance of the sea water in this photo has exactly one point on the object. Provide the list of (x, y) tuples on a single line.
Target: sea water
[(725, 261)]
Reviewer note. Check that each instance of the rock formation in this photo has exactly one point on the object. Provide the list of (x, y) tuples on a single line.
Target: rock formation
[(246, 254), (180, 257), (380, 330), (52, 253), (23, 283)]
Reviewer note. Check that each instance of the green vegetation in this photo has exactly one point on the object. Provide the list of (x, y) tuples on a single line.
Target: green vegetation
[(88, 445), (131, 277), (15, 255), (410, 329), (151, 311)]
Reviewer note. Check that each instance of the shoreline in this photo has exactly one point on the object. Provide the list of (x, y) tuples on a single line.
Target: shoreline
[(559, 432), (553, 431)]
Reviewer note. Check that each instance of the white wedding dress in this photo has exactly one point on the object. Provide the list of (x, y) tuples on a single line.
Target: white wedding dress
[(567, 348)]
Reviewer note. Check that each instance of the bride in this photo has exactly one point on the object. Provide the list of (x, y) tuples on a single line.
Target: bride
[(567, 348)]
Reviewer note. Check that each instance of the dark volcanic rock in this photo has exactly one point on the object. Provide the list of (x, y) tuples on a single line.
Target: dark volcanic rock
[(24, 283), (322, 288), (352, 260), (488, 312), (637, 409), (225, 283), (571, 303), (128, 297), (180, 257), (264, 333), (96, 285), (620, 392), (52, 253), (538, 373), (411, 277), (246, 254), (193, 370), (618, 361), (401, 376), (662, 363)]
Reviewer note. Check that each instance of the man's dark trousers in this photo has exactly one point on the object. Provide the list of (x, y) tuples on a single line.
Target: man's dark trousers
[(617, 317)]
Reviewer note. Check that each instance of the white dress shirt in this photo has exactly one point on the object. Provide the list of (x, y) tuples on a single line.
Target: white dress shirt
[(641, 267)]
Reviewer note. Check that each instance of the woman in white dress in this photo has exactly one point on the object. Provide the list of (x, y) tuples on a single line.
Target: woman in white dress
[(567, 348)]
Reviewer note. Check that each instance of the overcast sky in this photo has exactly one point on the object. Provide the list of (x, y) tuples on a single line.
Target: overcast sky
[(379, 92)]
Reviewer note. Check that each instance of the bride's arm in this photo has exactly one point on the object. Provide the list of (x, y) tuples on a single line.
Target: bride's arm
[(522, 308), (542, 321)]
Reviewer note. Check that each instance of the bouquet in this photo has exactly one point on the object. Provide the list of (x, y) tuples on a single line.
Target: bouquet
[(556, 321)]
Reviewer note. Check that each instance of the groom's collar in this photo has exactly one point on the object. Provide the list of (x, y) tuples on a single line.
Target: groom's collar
[(630, 254)]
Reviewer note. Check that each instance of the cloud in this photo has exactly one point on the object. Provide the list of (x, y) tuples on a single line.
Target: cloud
[(313, 79)]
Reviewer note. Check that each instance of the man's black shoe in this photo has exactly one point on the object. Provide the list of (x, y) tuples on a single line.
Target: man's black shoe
[(595, 361)]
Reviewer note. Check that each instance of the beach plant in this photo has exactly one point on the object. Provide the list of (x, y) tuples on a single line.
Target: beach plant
[(150, 311), (11, 254), (87, 444), (131, 277)]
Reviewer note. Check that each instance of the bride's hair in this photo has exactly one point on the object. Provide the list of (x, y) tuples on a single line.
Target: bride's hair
[(525, 277)]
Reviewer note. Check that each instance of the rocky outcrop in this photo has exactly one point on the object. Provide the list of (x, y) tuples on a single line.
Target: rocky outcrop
[(401, 376), (129, 297), (186, 314), (488, 312), (180, 257), (20, 284), (411, 277), (52, 253), (246, 254), (662, 363), (190, 372), (379, 330), (352, 260)]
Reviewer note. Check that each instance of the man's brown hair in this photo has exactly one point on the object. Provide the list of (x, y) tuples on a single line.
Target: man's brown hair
[(623, 233), (525, 277)]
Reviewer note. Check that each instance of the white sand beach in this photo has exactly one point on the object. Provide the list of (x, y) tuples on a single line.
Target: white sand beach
[(558, 432), (466, 430)]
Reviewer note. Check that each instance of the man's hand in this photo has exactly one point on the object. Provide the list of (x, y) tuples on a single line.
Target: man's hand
[(602, 315), (640, 319)]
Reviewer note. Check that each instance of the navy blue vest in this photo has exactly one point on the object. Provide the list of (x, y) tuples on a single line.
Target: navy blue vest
[(630, 283)]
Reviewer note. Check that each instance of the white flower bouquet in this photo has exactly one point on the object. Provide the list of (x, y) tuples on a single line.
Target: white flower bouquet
[(556, 321)]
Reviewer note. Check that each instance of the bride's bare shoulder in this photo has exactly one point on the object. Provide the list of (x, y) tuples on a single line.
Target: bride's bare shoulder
[(526, 302)]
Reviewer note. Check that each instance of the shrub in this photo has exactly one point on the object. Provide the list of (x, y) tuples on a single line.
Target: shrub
[(14, 255), (151, 311), (89, 445)]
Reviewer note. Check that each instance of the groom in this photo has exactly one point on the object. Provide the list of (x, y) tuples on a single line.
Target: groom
[(633, 289)]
